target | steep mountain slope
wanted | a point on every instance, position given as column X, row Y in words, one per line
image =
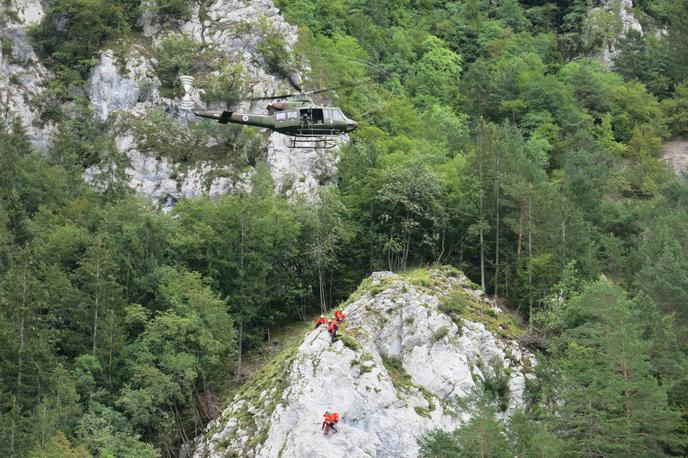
column 410, row 348
column 231, row 34
column 167, row 153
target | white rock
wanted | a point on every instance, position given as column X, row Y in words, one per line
column 628, row 22
column 234, row 28
column 22, row 77
column 377, row 419
column 109, row 91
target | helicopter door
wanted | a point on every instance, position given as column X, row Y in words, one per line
column 312, row 115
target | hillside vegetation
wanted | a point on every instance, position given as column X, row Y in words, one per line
column 491, row 139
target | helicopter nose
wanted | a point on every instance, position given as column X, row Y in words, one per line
column 351, row 125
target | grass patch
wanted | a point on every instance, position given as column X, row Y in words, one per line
column 370, row 286
column 400, row 378
column 360, row 362
column 418, row 277
column 403, row 383
column 440, row 334
column 350, row 342
column 455, row 305
column 422, row 411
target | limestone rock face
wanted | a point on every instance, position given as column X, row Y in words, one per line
column 22, row 76
column 392, row 322
column 676, row 155
column 626, row 21
column 128, row 84
column 110, row 91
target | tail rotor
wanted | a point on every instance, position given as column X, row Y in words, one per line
column 191, row 97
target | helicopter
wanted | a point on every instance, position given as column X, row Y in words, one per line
column 307, row 123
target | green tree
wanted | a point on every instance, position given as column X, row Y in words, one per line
column 482, row 436
column 612, row 404
column 437, row 72
column 182, row 348
column 72, row 31
column 327, row 233
column 406, row 213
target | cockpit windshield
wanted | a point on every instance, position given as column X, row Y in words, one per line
column 337, row 115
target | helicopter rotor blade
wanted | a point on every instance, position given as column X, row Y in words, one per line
column 272, row 97
column 319, row 91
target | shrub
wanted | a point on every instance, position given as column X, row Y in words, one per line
column 455, row 305
column 227, row 86
column 496, row 386
column 6, row 46
column 73, row 31
column 350, row 342
column 175, row 9
column 441, row 333
column 176, row 56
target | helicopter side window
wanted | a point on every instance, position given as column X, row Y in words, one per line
column 338, row 115
column 281, row 116
column 293, row 115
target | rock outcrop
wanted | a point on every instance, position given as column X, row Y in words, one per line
column 22, row 76
column 598, row 23
column 128, row 84
column 675, row 154
column 410, row 349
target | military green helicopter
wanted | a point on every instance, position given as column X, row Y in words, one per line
column 307, row 123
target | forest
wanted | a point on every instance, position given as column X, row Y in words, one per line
column 491, row 139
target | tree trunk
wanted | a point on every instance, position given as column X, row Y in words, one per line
column 407, row 248
column 241, row 340
column 242, row 276
column 22, row 328
column 496, row 191
column 112, row 345
column 626, row 377
column 96, row 304
column 563, row 229
column 530, row 265
column 321, row 283
column 519, row 243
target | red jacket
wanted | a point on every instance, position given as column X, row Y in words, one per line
column 332, row 326
column 320, row 321
column 334, row 418
column 339, row 315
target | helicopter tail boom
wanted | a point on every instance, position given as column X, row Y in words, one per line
column 223, row 117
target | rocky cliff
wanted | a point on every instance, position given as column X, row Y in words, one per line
column 610, row 22
column 23, row 77
column 411, row 348
column 125, row 91
column 231, row 30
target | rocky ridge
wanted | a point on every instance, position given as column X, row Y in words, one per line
column 404, row 357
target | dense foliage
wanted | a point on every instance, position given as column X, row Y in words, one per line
column 489, row 140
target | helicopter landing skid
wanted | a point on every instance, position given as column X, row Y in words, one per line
column 312, row 143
